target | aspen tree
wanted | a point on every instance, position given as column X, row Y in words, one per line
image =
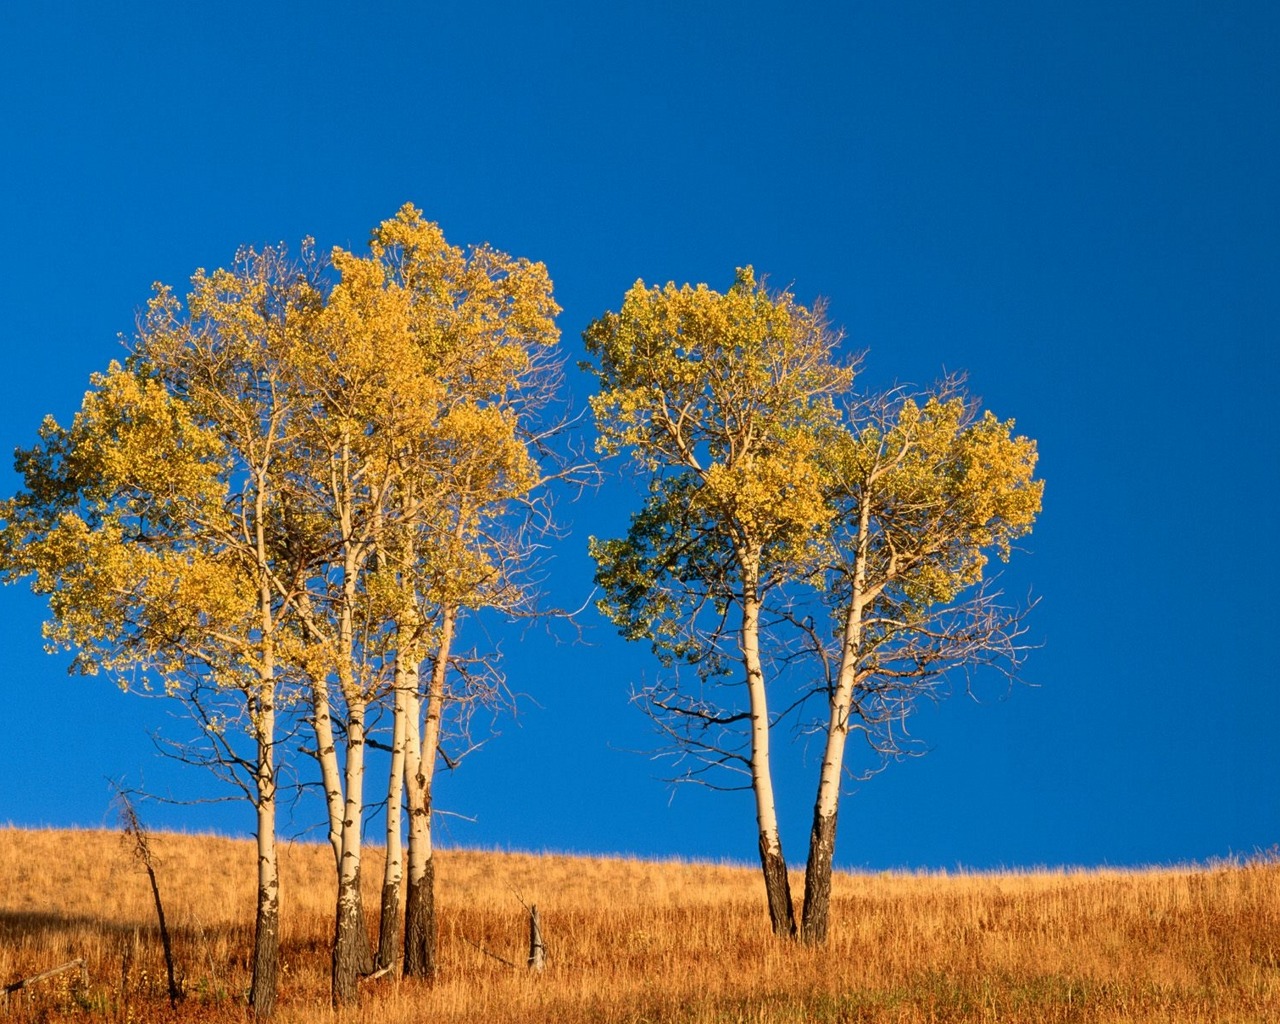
column 475, row 370
column 152, row 525
column 720, row 399
column 922, row 490
column 342, row 370
column 841, row 540
column 310, row 477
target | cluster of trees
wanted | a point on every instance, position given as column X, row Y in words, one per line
column 796, row 528
column 279, row 507
column 283, row 504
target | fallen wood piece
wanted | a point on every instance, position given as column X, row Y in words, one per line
column 381, row 972
column 24, row 982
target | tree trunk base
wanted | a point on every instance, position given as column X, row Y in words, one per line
column 389, row 927
column 266, row 956
column 351, row 953
column 420, row 925
column 815, row 918
column 777, row 887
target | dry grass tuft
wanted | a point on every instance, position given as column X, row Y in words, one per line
column 632, row 942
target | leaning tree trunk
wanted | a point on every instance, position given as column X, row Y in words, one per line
column 815, row 916
column 777, row 884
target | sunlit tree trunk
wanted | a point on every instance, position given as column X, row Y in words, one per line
column 815, row 916
column 389, row 920
column 351, row 953
column 262, row 711
column 420, row 918
column 266, row 932
column 349, row 917
column 777, row 884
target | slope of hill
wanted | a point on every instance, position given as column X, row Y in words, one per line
column 631, row 941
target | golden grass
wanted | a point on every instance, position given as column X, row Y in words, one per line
column 632, row 942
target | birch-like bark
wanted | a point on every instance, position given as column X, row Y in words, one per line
column 389, row 922
column 326, row 754
column 777, row 884
column 420, row 766
column 351, row 953
column 393, row 871
column 816, row 913
column 266, row 929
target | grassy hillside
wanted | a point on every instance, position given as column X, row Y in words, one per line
column 637, row 942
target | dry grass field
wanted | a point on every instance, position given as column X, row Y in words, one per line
column 636, row 942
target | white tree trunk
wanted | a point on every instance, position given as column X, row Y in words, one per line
column 773, row 864
column 350, row 947
column 815, row 915
column 266, row 931
column 393, row 870
column 266, row 935
column 420, row 766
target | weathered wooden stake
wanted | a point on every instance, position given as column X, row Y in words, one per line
column 537, row 950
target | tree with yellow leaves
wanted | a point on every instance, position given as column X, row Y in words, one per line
column 422, row 371
column 792, row 527
column 922, row 489
column 294, row 489
column 463, row 438
column 722, row 399
column 152, row 525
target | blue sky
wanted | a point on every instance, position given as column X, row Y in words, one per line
column 1077, row 203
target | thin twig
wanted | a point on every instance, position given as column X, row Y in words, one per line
column 486, row 952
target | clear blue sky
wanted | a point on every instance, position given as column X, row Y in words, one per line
column 1079, row 203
